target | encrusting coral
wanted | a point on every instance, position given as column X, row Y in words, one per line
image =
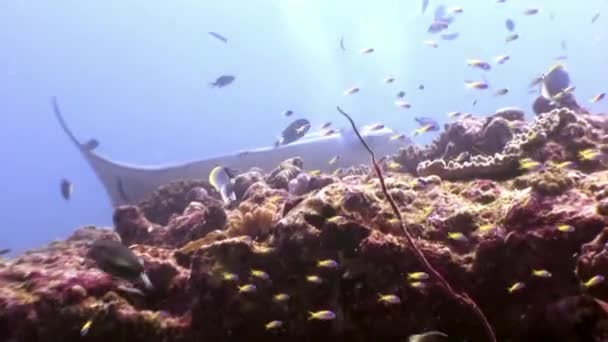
column 527, row 244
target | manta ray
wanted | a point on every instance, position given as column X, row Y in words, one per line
column 129, row 184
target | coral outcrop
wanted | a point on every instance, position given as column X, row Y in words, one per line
column 529, row 246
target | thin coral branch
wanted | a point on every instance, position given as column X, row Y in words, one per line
column 460, row 297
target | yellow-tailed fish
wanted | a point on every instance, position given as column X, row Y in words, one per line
column 589, row 154
column 393, row 165
column 323, row 315
column 260, row 274
column 86, row 327
column 397, row 137
column 417, row 276
column 478, row 63
column 454, row 114
column 280, row 297
column 565, row 165
column 528, row 164
column 418, row 284
column 423, row 129
column 487, row 227
column 314, row 279
column 249, row 288
column 314, row 172
column 516, row 287
column 597, row 97
column 594, row 281
column 476, row 85
column 221, row 179
column 390, row 299
column 457, row 236
column 227, row 276
column 431, row 336
column 262, row 250
column 327, row 263
column 565, row 228
column 334, row 160
column 273, row 325
column 541, row 273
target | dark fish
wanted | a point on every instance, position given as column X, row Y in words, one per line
column 595, row 17
column 401, row 94
column 426, row 121
column 288, row 112
column 512, row 37
column 91, row 144
column 510, row 24
column 218, row 36
column 474, row 103
column 425, row 4
column 223, row 81
column 66, row 189
column 450, row 36
column 421, row 87
column 114, row 258
column 437, row 26
column 294, row 131
column 342, row 43
column 5, row 251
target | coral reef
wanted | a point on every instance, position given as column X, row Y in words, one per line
column 527, row 245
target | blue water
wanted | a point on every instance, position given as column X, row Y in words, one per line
column 134, row 74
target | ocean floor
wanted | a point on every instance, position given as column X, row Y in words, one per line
column 512, row 213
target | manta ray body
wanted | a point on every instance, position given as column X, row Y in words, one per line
column 129, row 184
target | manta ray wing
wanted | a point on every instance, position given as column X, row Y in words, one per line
column 130, row 184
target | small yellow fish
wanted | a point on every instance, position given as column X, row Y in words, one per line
column 457, row 236
column 403, row 104
column 260, row 274
column 314, row 279
column 418, row 284
column 280, row 297
column 390, row 299
column 323, row 315
column 478, row 63
column 417, row 276
column 334, row 160
column 327, row 263
column 589, row 154
column 423, row 129
column 541, row 273
column 502, row 91
column 593, row 281
column 262, row 250
column 512, row 37
column 487, row 227
column 394, row 220
column 430, row 43
column 227, row 276
column 249, row 288
column 314, row 172
column 516, row 287
column 566, row 228
column 565, row 165
column 597, row 97
column 501, row 59
column 528, row 164
column 351, row 91
column 476, row 85
column 273, row 325
column 366, row 51
column 393, row 165
column 397, row 137
column 86, row 327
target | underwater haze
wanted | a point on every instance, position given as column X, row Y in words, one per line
column 135, row 75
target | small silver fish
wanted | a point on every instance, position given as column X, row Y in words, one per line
column 218, row 36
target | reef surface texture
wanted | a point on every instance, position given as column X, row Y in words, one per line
column 529, row 246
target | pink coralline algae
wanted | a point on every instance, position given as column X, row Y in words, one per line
column 223, row 273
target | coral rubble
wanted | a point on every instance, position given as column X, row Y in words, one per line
column 527, row 245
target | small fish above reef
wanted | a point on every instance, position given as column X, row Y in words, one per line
column 323, row 315
column 476, row 84
column 541, row 273
column 502, row 91
column 450, row 36
column 221, row 178
column 223, row 81
column 272, row 325
column 510, row 25
column 66, row 188
column 594, row 281
column 351, row 91
column 512, row 37
column 389, row 299
column 426, row 121
column 366, row 51
column 218, row 36
column 597, row 97
column 294, row 131
column 429, row 336
column 248, row 288
column 401, row 94
column 5, row 251
column 91, row 144
column 287, row 113
column 531, row 11
column 516, row 287
column 327, row 263
column 478, row 63
column 116, row 259
column 501, row 59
